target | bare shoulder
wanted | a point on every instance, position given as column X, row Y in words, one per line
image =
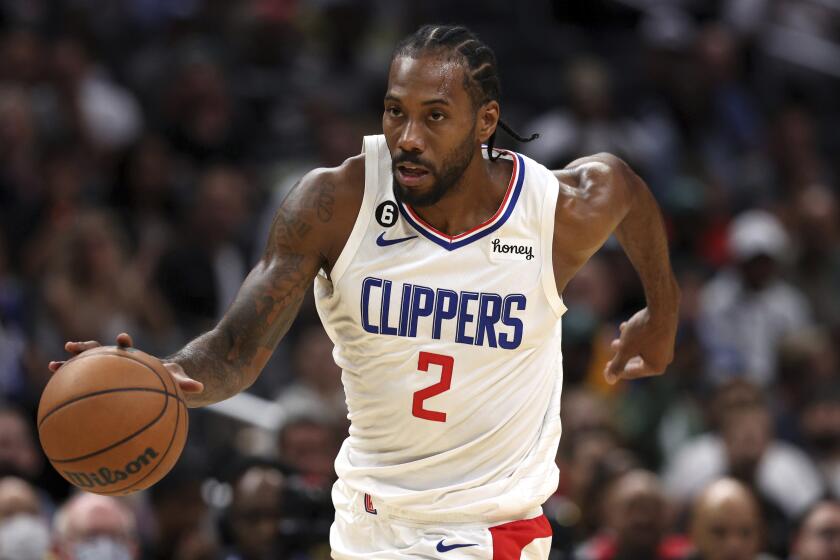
column 602, row 169
column 595, row 194
column 317, row 215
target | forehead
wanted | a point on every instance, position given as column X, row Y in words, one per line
column 732, row 513
column 427, row 77
column 825, row 515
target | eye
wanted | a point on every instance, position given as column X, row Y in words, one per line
column 437, row 116
column 393, row 111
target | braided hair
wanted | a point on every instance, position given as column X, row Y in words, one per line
column 481, row 76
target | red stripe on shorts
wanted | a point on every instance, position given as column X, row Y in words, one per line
column 510, row 538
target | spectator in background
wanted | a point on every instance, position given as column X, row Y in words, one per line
column 746, row 309
column 794, row 147
column 726, row 523
column 816, row 218
column 316, row 389
column 782, row 477
column 88, row 263
column 94, row 527
column 18, row 452
column 729, row 127
column 818, row 537
column 309, row 444
column 24, row 534
column 591, row 122
column 255, row 514
column 200, row 275
column 183, row 530
column 636, row 523
column 148, row 194
column 103, row 113
column 20, row 180
column 13, row 380
column 808, row 363
column 819, row 423
column 590, row 456
column 203, row 119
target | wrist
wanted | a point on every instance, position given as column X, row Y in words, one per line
column 665, row 308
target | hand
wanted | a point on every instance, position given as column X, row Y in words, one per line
column 186, row 383
column 644, row 348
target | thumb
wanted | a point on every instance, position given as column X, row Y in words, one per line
column 615, row 367
column 185, row 382
column 188, row 384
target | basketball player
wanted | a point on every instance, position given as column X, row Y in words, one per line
column 438, row 263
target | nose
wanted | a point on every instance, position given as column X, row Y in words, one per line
column 411, row 138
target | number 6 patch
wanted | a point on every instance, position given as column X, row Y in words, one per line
column 386, row 213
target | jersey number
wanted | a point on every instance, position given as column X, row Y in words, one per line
column 446, row 364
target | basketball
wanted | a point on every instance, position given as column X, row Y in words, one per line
column 112, row 421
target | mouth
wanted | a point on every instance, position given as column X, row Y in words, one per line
column 411, row 174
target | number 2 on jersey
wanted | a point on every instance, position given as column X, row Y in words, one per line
column 446, row 364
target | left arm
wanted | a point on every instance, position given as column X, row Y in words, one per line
column 601, row 195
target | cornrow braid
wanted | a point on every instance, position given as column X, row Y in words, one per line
column 481, row 78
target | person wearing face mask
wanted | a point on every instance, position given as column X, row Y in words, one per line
column 93, row 527
column 24, row 534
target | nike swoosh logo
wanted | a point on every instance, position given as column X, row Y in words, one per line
column 382, row 242
column 447, row 547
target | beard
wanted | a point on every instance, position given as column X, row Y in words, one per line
column 450, row 172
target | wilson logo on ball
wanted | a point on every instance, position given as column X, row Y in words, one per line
column 106, row 476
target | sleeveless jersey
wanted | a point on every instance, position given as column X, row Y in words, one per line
column 450, row 351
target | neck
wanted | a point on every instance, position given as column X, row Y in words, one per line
column 473, row 199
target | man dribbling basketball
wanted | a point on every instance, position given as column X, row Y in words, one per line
column 438, row 273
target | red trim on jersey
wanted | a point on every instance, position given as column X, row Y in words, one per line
column 482, row 225
column 369, row 504
column 510, row 538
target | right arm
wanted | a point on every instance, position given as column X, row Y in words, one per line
column 308, row 232
column 229, row 358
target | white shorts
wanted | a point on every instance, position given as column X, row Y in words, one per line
column 361, row 531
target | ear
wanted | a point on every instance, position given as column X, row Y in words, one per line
column 488, row 118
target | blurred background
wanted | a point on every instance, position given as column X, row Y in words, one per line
column 144, row 145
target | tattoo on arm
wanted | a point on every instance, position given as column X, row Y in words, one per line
column 229, row 358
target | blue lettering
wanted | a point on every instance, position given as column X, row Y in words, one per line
column 405, row 307
column 489, row 313
column 480, row 318
column 446, row 307
column 464, row 318
column 420, row 309
column 367, row 284
column 386, row 306
column 505, row 341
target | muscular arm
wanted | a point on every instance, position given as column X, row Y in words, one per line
column 601, row 195
column 309, row 228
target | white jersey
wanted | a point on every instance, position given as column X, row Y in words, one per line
column 450, row 350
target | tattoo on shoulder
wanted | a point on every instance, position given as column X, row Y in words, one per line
column 326, row 201
column 269, row 298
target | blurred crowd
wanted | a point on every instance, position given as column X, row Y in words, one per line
column 144, row 146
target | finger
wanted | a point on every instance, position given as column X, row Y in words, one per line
column 184, row 381
column 637, row 367
column 79, row 347
column 188, row 384
column 54, row 366
column 610, row 377
column 616, row 365
column 622, row 326
column 124, row 340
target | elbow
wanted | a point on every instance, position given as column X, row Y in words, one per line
column 612, row 161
